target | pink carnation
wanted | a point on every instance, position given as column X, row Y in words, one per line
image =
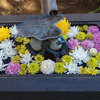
column 72, row 43
column 97, row 46
column 87, row 44
column 96, row 37
column 12, row 68
column 93, row 29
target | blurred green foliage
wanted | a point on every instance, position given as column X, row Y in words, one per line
column 97, row 1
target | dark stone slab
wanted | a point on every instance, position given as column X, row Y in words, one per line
column 70, row 17
column 50, row 83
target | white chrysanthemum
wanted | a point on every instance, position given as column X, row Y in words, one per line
column 47, row 66
column 2, row 65
column 26, row 59
column 6, row 44
column 3, row 55
column 79, row 55
column 72, row 68
column 7, row 49
column 73, row 31
column 10, row 52
column 99, row 65
column 13, row 30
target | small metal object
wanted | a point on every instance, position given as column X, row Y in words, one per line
column 49, row 7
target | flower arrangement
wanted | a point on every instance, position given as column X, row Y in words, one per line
column 82, row 54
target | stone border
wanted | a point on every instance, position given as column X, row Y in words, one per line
column 70, row 17
column 49, row 83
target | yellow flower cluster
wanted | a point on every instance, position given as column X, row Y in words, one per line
column 91, row 66
column 59, row 69
column 89, row 36
column 63, row 25
column 15, row 59
column 98, row 56
column 33, row 68
column 23, row 69
column 21, row 49
column 39, row 58
column 92, row 63
column 66, row 58
column 86, row 70
column 19, row 39
column 24, row 40
column 81, row 36
column 4, row 33
column 85, row 27
column 80, row 28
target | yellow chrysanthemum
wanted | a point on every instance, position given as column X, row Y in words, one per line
column 86, row 70
column 26, row 40
column 92, row 63
column 21, row 49
column 85, row 27
column 66, row 58
column 33, row 68
column 23, row 46
column 93, row 71
column 4, row 33
column 64, row 36
column 83, row 70
column 80, row 28
column 23, row 69
column 15, row 59
column 81, row 36
column 39, row 58
column 19, row 39
column 98, row 56
column 63, row 25
column 17, row 48
column 59, row 69
column 89, row 36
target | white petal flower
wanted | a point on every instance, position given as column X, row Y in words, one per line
column 26, row 59
column 13, row 30
column 79, row 55
column 10, row 52
column 47, row 66
column 7, row 49
column 99, row 65
column 6, row 44
column 3, row 56
column 2, row 65
column 72, row 68
column 66, row 66
column 73, row 31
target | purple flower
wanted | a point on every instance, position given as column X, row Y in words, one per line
column 96, row 37
column 97, row 46
column 93, row 29
column 12, row 68
column 87, row 44
column 19, row 33
column 72, row 43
